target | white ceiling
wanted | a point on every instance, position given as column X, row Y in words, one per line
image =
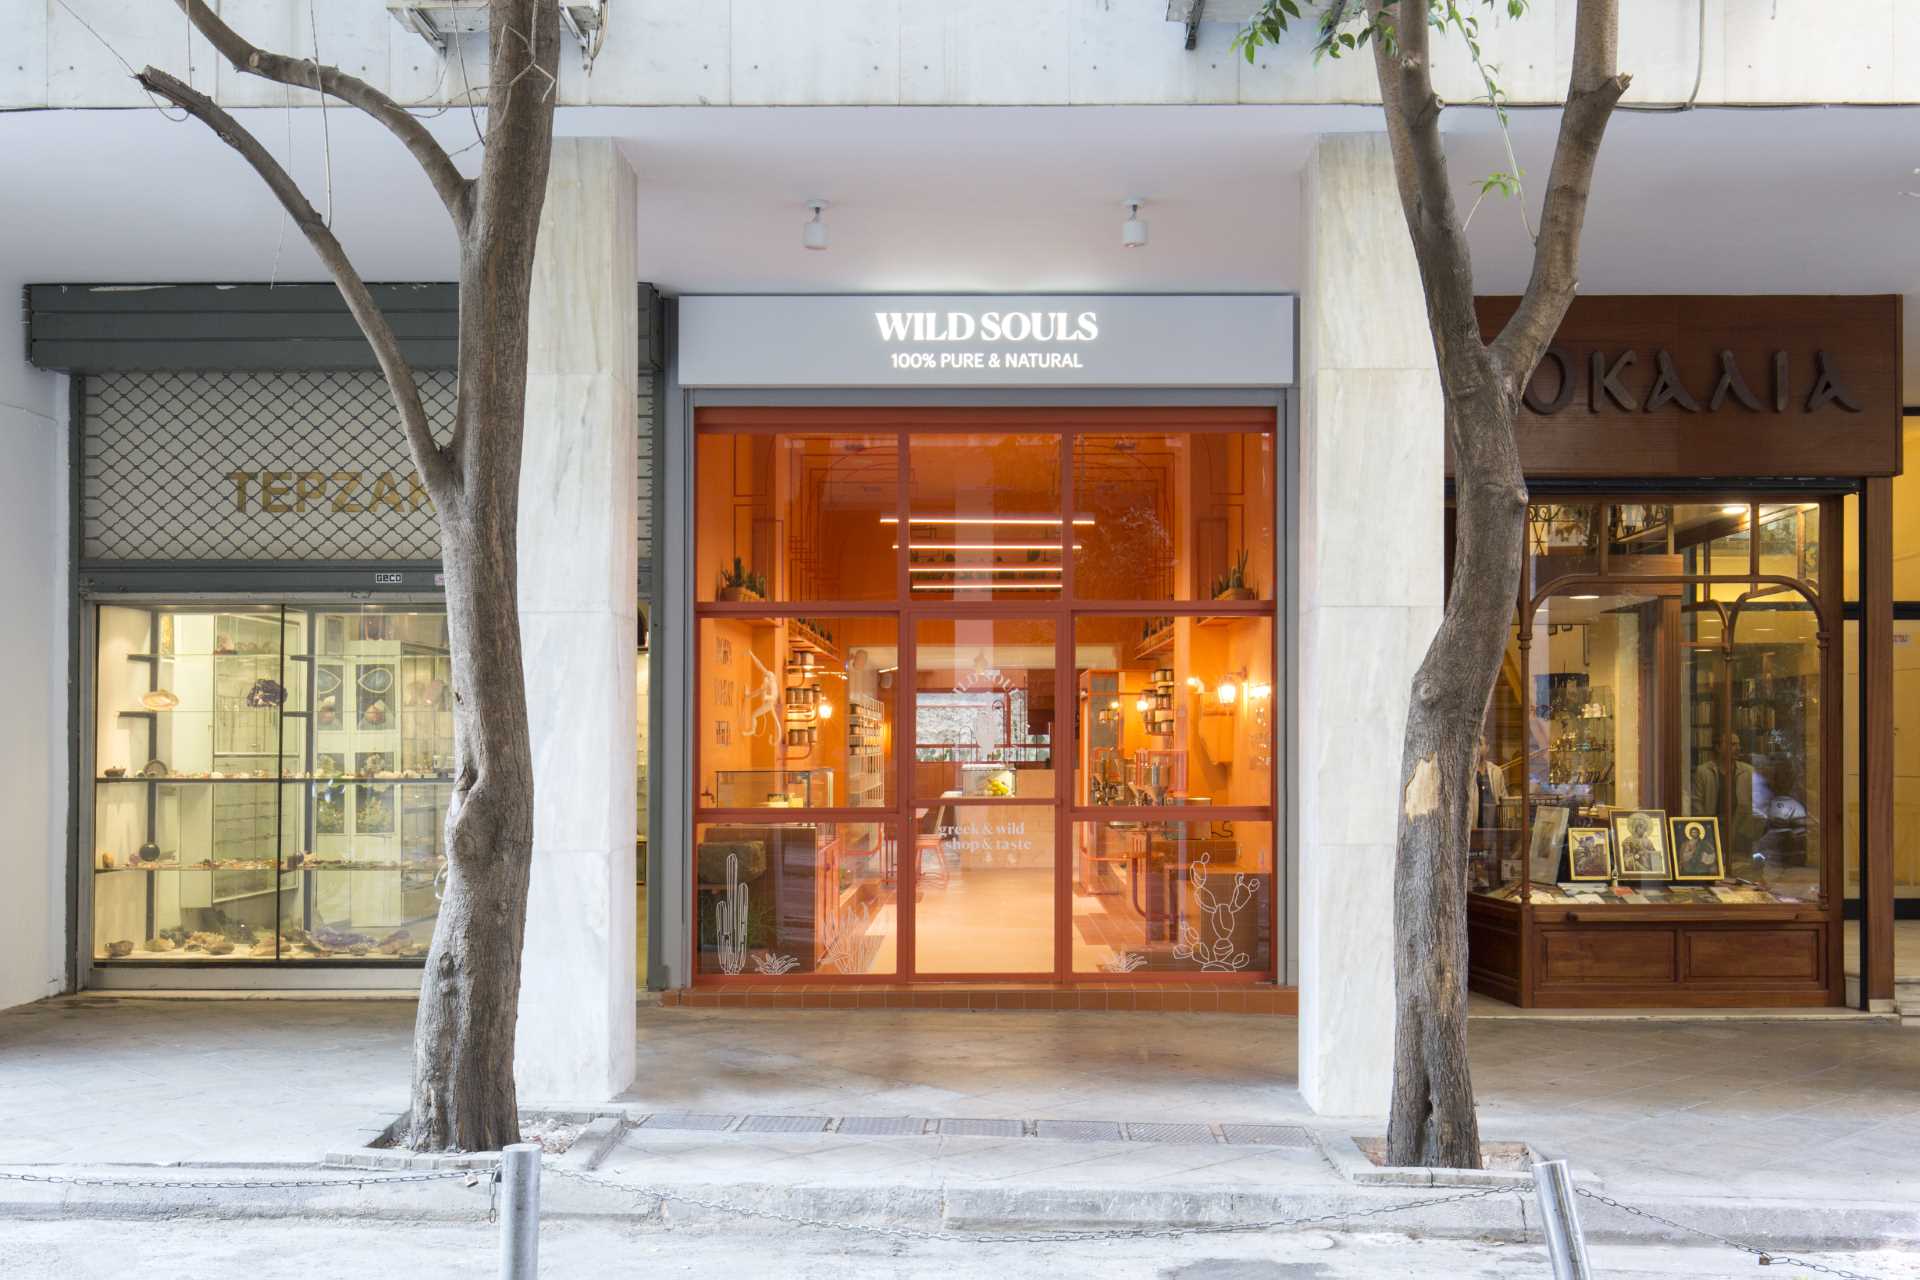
column 986, row 199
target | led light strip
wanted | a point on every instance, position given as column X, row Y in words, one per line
column 985, row 546
column 985, row 568
column 987, row 520
column 986, row 586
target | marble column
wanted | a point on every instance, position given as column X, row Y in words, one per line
column 578, row 607
column 1371, row 527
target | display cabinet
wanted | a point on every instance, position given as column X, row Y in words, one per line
column 270, row 782
column 1659, row 778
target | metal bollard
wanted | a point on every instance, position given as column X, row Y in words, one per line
column 520, row 1211
column 1560, row 1220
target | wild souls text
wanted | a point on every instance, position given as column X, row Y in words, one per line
column 351, row 492
column 988, row 326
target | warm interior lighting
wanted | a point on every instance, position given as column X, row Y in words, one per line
column 826, row 711
column 1227, row 692
column 1734, row 509
column 983, row 568
column 1196, row 684
column 986, row 586
column 1585, row 597
column 1115, row 704
column 987, row 520
column 1140, row 704
column 984, row 546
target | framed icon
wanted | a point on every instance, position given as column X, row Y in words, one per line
column 1548, row 839
column 1640, row 844
column 1696, row 849
column 1589, row 854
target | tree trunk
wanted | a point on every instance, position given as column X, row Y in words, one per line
column 1433, row 1121
column 463, row 1089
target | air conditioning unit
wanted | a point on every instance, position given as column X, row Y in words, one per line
column 438, row 21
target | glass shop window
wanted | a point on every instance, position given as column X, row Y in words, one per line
column 1655, row 737
column 797, row 517
column 271, row 783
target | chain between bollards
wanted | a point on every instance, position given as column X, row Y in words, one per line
column 519, row 1186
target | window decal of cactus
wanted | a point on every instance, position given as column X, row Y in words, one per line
column 730, row 920
column 1219, row 954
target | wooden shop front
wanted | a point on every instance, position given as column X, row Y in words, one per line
column 1663, row 784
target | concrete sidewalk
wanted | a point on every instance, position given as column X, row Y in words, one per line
column 1809, row 1130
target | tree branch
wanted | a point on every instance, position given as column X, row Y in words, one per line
column 427, row 455
column 308, row 73
column 1592, row 90
column 1412, row 110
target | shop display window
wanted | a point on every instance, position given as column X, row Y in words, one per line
column 1174, row 516
column 1656, row 734
column 796, row 898
column 271, row 782
column 988, row 639
column 1174, row 710
column 1182, row 897
column 793, row 517
column 984, row 518
column 797, row 713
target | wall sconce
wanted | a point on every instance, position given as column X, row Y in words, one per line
column 1142, row 704
column 1227, row 692
column 826, row 711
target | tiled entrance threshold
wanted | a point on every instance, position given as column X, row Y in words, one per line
column 1102, row 997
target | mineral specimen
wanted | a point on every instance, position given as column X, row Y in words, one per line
column 120, row 949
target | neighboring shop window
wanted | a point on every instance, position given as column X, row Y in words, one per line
column 1661, row 714
column 272, row 782
column 1906, row 687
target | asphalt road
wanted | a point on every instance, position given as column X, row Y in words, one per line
column 89, row 1249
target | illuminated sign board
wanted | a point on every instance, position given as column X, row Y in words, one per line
column 1038, row 340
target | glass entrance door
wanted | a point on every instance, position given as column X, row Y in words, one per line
column 986, row 704
column 985, row 695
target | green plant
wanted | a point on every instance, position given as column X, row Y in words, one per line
column 1234, row 579
column 741, row 578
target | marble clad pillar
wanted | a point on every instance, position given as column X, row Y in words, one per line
column 1371, row 528
column 578, row 606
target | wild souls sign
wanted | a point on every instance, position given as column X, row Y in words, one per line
column 1683, row 388
column 987, row 327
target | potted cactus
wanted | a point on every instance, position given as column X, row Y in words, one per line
column 1233, row 585
column 740, row 583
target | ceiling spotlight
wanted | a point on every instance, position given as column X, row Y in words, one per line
column 1133, row 232
column 814, row 234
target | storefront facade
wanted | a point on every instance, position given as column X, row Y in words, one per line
column 1037, row 738
column 260, row 654
column 1664, row 784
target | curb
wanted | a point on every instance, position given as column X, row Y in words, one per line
column 1344, row 1153
column 1508, row 1216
